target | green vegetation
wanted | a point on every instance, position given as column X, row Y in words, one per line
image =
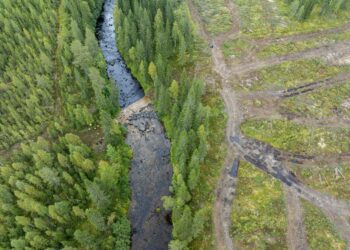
column 56, row 195
column 302, row 9
column 328, row 178
column 215, row 15
column 254, row 17
column 83, row 85
column 323, row 103
column 50, row 73
column 259, row 219
column 242, row 47
column 275, row 18
column 289, row 136
column 286, row 48
column 279, row 49
column 237, row 48
column 203, row 195
column 294, row 73
column 159, row 49
column 321, row 234
column 26, row 68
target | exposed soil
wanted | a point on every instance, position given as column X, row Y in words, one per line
column 302, row 36
column 296, row 236
column 330, row 52
column 305, row 88
column 234, row 32
column 260, row 154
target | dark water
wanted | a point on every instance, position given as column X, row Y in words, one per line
column 150, row 178
column 129, row 89
column 151, row 172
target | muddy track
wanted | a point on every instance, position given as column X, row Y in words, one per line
column 333, row 122
column 296, row 236
column 268, row 12
column 227, row 184
column 225, row 194
column 305, row 88
column 198, row 20
column 336, row 50
column 235, row 30
column 302, row 37
column 262, row 156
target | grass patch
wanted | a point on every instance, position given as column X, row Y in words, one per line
column 322, row 103
column 292, row 74
column 321, row 234
column 215, row 14
column 289, row 136
column 237, row 48
column 259, row 215
column 242, row 46
column 261, row 18
column 280, row 49
column 253, row 17
column 332, row 179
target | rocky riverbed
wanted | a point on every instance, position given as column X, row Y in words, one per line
column 151, row 172
column 150, row 179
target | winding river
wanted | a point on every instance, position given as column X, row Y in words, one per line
column 151, row 172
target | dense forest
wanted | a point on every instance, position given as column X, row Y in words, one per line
column 55, row 195
column 28, row 42
column 156, row 38
column 69, row 91
column 51, row 70
column 56, row 192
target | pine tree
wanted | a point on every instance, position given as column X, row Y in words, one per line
column 183, row 227
column 152, row 70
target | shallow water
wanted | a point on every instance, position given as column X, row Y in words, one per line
column 129, row 89
column 151, row 172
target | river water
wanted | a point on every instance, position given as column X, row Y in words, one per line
column 151, row 172
column 129, row 89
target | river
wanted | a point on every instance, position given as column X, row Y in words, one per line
column 151, row 172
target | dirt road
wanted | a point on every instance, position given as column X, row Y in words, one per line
column 260, row 154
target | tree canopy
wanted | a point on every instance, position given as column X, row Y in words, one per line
column 156, row 38
column 302, row 9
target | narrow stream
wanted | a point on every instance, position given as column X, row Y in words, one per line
column 151, row 172
column 129, row 89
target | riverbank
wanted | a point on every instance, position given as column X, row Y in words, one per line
column 150, row 174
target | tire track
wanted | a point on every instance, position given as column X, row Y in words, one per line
column 296, row 236
column 302, row 37
column 305, row 88
column 234, row 32
column 336, row 50
column 258, row 153
column 262, row 156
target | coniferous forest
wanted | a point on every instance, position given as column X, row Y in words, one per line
column 158, row 50
column 56, row 192
column 302, row 9
column 253, row 103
